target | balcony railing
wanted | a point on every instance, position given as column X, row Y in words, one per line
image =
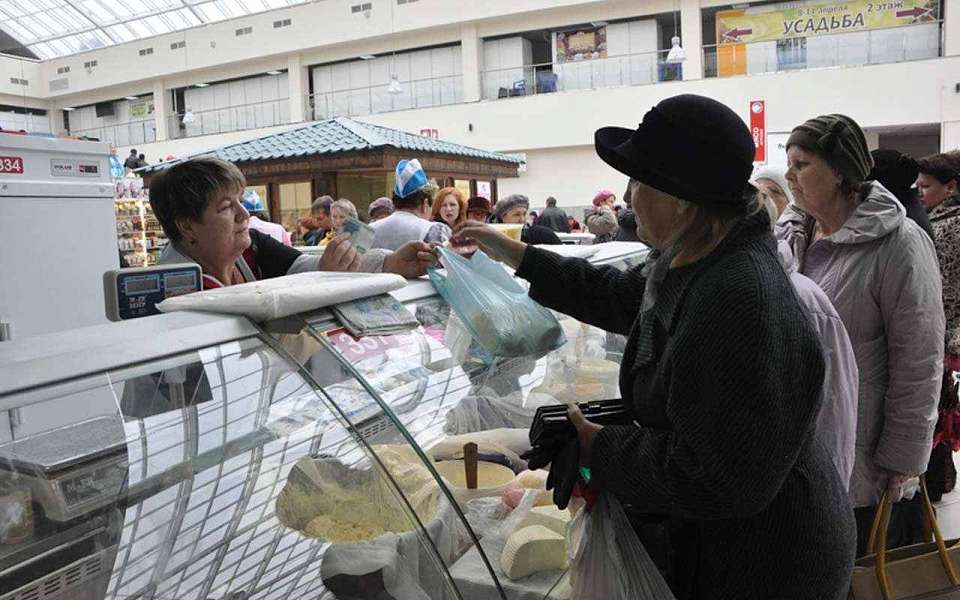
column 190, row 123
column 414, row 93
column 613, row 71
column 129, row 133
column 877, row 46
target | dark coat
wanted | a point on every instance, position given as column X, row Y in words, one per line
column 915, row 210
column 724, row 375
column 535, row 234
column 627, row 232
column 554, row 218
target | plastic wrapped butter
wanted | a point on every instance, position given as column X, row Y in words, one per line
column 551, row 517
column 532, row 550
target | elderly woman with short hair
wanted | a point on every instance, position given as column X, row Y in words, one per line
column 198, row 205
column 513, row 210
column 879, row 270
column 722, row 371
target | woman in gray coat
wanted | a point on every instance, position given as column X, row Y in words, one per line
column 880, row 271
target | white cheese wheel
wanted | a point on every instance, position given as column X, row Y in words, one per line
column 533, row 480
column 489, row 475
column 532, row 550
column 550, row 517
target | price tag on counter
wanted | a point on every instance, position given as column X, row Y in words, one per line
column 357, row 349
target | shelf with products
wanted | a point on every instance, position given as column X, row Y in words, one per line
column 139, row 235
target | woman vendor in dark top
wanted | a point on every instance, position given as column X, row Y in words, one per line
column 198, row 205
column 722, row 371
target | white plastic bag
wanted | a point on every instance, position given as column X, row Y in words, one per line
column 607, row 560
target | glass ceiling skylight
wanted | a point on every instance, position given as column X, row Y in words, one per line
column 53, row 28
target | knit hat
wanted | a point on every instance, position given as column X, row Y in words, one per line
column 251, row 201
column 895, row 171
column 839, row 141
column 777, row 175
column 680, row 132
column 382, row 204
column 478, row 203
column 509, row 203
column 410, row 178
column 601, row 196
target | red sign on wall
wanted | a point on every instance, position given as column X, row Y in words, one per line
column 758, row 128
column 11, row 164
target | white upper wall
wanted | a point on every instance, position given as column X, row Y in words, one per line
column 216, row 45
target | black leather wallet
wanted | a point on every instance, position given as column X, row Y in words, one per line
column 551, row 425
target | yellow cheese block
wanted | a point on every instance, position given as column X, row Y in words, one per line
column 532, row 550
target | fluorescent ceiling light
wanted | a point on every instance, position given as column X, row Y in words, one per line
column 201, row 85
column 274, row 72
column 367, row 56
column 131, row 98
column 69, row 108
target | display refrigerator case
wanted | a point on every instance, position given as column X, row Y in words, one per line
column 199, row 456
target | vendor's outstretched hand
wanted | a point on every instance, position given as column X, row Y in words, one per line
column 492, row 242
column 410, row 260
column 340, row 255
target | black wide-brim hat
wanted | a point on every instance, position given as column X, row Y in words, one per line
column 688, row 146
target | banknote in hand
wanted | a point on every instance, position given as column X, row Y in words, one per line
column 360, row 234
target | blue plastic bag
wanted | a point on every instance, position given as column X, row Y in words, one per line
column 494, row 307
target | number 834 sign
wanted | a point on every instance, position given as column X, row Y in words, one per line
column 11, row 165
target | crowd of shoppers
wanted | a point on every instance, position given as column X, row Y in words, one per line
column 793, row 339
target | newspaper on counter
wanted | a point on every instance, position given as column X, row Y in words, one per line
column 377, row 315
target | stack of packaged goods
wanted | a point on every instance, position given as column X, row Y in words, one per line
column 139, row 236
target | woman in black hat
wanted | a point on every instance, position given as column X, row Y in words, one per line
column 722, row 370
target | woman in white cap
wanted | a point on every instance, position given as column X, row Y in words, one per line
column 772, row 183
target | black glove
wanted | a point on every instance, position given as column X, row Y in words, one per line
column 564, row 460
column 542, row 455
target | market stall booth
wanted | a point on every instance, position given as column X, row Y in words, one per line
column 344, row 158
column 222, row 458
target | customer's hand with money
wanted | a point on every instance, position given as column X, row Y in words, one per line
column 410, row 260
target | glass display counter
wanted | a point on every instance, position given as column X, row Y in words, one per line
column 191, row 456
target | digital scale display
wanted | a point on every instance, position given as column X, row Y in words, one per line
column 144, row 284
column 134, row 293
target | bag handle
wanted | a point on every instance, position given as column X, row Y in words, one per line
column 877, row 543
